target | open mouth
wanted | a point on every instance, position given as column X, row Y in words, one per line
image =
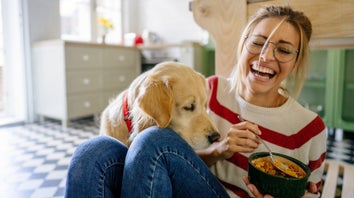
column 262, row 72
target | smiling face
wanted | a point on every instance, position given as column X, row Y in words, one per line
column 263, row 73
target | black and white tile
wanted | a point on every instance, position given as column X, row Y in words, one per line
column 342, row 150
column 35, row 157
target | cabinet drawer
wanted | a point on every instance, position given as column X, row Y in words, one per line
column 119, row 79
column 83, row 57
column 121, row 57
column 83, row 81
column 83, row 105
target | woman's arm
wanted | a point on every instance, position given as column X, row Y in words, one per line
column 211, row 155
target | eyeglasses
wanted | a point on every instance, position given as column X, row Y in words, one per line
column 283, row 52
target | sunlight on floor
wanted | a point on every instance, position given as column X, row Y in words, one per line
column 9, row 120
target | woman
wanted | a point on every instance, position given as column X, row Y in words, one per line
column 254, row 100
column 273, row 48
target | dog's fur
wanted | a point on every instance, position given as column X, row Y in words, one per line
column 169, row 95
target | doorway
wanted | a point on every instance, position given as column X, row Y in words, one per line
column 1, row 65
column 13, row 106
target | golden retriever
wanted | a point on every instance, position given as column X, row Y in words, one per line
column 169, row 95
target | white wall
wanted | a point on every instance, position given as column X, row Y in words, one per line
column 43, row 19
column 170, row 19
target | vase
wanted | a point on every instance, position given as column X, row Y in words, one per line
column 103, row 39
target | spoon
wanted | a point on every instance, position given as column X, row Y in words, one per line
column 277, row 163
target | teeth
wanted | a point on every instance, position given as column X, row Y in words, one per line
column 263, row 69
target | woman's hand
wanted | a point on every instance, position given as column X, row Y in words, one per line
column 312, row 188
column 254, row 189
column 240, row 137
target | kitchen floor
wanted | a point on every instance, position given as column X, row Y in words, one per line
column 35, row 157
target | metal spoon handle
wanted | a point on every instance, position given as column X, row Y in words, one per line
column 263, row 142
column 278, row 164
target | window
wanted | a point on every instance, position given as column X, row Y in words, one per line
column 75, row 20
column 80, row 20
column 111, row 10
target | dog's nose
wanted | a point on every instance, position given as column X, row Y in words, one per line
column 213, row 137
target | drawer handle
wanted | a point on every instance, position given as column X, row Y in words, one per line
column 86, row 81
column 121, row 78
column 85, row 57
column 87, row 104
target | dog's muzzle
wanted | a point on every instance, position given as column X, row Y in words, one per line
column 213, row 137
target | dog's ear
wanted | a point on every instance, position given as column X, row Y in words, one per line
column 156, row 100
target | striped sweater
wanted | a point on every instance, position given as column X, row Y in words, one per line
column 289, row 129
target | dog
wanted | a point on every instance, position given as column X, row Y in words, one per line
column 170, row 95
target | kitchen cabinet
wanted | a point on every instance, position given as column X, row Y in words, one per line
column 208, row 61
column 344, row 114
column 74, row 80
column 329, row 89
column 313, row 95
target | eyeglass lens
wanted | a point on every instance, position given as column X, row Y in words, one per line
column 283, row 52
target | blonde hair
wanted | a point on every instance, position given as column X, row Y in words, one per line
column 296, row 80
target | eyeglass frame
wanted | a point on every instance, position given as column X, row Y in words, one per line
column 275, row 49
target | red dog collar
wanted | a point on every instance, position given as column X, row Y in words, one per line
column 126, row 114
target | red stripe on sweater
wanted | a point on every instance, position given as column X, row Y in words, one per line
column 239, row 160
column 294, row 141
column 319, row 185
column 314, row 164
column 214, row 104
column 238, row 191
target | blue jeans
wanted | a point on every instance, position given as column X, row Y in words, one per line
column 96, row 169
column 159, row 163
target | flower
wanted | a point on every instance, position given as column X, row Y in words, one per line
column 106, row 24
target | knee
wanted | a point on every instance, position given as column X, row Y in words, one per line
column 154, row 137
column 97, row 158
column 98, row 149
column 99, row 145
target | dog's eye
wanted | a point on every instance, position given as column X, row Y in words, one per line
column 189, row 107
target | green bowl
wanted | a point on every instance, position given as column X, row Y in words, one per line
column 277, row 186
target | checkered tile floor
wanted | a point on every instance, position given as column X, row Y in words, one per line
column 35, row 157
column 341, row 150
